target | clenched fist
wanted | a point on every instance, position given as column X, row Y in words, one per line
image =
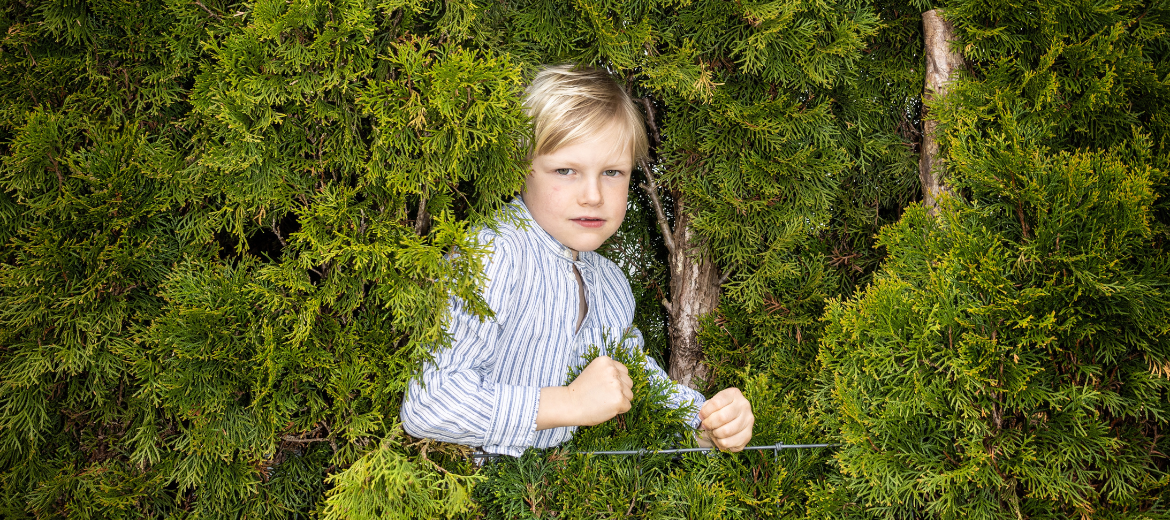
column 603, row 390
column 727, row 421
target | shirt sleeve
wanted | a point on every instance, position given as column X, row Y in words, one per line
column 453, row 400
column 683, row 395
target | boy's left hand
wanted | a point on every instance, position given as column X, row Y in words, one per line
column 727, row 420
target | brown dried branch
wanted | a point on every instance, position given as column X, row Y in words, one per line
column 650, row 121
column 209, row 11
column 651, row 187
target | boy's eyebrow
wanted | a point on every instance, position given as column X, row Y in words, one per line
column 610, row 166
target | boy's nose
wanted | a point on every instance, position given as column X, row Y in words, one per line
column 590, row 194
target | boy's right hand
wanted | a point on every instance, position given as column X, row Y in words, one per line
column 600, row 392
column 603, row 390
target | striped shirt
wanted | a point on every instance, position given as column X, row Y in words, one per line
column 485, row 389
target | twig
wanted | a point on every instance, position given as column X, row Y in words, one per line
column 290, row 438
column 57, row 170
column 651, row 187
column 727, row 275
column 209, row 11
column 276, row 231
column 650, row 121
column 29, row 54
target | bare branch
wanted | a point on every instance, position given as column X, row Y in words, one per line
column 209, row 11
column 29, row 54
column 57, row 170
column 650, row 121
column 726, row 275
column 290, row 438
column 422, row 221
column 651, row 187
column 276, row 231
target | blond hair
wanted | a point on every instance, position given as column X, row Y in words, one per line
column 569, row 103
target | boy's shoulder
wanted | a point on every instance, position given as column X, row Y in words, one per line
column 509, row 234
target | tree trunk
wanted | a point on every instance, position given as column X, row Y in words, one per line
column 694, row 291
column 941, row 65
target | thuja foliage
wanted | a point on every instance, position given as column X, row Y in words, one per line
column 224, row 240
column 228, row 230
column 1009, row 359
column 568, row 482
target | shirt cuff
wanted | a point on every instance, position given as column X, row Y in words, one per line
column 514, row 419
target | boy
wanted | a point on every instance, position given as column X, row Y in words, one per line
column 501, row 385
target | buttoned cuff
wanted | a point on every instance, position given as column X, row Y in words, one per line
column 513, row 422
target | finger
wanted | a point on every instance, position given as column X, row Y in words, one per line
column 739, row 433
column 627, row 382
column 624, row 406
column 718, row 419
column 731, row 428
column 710, row 407
column 622, row 368
column 740, row 440
column 726, row 443
column 628, row 394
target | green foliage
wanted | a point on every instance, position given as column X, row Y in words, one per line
column 1009, row 359
column 218, row 271
column 226, row 230
column 385, row 484
column 568, row 482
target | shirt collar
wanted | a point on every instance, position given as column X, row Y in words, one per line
column 543, row 237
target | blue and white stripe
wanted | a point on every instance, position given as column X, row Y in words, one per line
column 485, row 389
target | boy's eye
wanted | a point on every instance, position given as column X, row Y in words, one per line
column 564, row 171
column 612, row 173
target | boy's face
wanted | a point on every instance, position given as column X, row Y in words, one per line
column 578, row 193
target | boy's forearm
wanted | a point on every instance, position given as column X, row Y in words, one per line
column 555, row 408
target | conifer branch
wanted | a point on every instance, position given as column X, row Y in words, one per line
column 727, row 275
column 276, row 231
column 209, row 11
column 651, row 187
column 650, row 121
column 422, row 221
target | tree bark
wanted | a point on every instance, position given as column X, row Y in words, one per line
column 694, row 286
column 941, row 65
column 694, row 291
column 695, row 280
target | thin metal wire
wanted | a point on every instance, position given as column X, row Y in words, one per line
column 774, row 447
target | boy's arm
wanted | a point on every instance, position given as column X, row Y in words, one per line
column 603, row 390
column 726, row 419
column 451, row 400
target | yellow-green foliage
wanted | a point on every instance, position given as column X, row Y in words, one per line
column 226, row 231
column 1009, row 359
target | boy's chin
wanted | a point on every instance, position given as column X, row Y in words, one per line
column 583, row 246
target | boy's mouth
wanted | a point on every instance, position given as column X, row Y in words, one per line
column 589, row 222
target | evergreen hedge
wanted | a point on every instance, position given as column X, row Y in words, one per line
column 1009, row 359
column 224, row 230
